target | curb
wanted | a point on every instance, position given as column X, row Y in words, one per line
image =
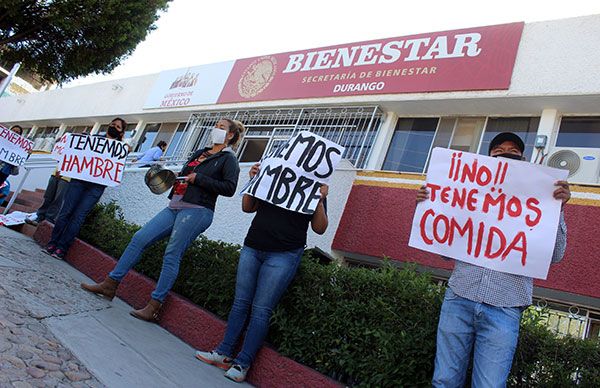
column 192, row 324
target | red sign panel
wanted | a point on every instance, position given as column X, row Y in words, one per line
column 470, row 59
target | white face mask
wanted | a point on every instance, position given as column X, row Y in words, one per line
column 218, row 135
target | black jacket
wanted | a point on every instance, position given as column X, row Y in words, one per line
column 216, row 175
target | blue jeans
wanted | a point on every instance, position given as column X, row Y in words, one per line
column 183, row 226
column 490, row 332
column 262, row 278
column 79, row 199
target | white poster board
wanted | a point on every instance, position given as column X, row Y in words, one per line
column 14, row 148
column 94, row 159
column 496, row 213
column 291, row 175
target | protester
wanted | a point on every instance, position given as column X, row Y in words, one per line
column 53, row 196
column 210, row 172
column 268, row 262
column 8, row 169
column 482, row 307
column 4, row 192
column 79, row 199
column 152, row 155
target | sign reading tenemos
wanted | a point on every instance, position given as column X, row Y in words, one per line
column 91, row 158
column 14, row 148
column 469, row 59
column 491, row 212
column 291, row 175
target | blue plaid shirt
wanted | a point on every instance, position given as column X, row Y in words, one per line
column 501, row 289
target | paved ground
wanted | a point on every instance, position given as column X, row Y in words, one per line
column 53, row 334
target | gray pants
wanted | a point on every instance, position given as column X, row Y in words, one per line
column 53, row 198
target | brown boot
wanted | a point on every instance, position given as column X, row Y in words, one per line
column 148, row 313
column 108, row 288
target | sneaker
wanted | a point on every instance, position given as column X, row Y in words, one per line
column 32, row 219
column 59, row 254
column 214, row 358
column 49, row 250
column 237, row 373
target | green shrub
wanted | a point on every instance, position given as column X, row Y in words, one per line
column 363, row 327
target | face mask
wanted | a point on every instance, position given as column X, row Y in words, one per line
column 508, row 156
column 113, row 132
column 218, row 135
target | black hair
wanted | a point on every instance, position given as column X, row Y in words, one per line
column 17, row 126
column 123, row 125
column 162, row 143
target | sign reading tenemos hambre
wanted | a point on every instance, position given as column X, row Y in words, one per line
column 94, row 159
column 291, row 175
column 14, row 148
column 492, row 212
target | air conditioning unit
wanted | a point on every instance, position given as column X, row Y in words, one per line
column 583, row 164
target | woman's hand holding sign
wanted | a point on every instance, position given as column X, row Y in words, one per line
column 254, row 170
column 563, row 193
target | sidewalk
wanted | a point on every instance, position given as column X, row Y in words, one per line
column 55, row 334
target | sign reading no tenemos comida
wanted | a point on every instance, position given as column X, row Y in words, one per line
column 496, row 213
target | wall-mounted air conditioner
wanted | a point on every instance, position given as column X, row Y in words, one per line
column 583, row 164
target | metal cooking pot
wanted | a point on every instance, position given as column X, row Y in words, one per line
column 159, row 179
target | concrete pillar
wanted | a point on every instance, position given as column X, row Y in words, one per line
column 381, row 144
column 549, row 124
column 139, row 131
column 61, row 130
column 95, row 129
column 32, row 132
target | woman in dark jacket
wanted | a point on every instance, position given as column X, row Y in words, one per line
column 210, row 172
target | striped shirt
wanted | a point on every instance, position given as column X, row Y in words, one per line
column 501, row 289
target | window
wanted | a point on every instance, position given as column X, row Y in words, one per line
column 525, row 127
column 579, row 132
column 147, row 139
column 467, row 133
column 410, row 144
column 172, row 146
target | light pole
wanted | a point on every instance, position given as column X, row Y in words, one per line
column 6, row 81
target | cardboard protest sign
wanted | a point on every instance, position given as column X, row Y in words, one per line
column 14, row 218
column 14, row 148
column 496, row 213
column 291, row 175
column 91, row 158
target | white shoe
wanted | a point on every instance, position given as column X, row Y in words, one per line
column 214, row 358
column 237, row 373
column 32, row 219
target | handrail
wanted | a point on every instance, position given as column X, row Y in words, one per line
column 28, row 166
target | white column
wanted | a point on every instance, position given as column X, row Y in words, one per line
column 95, row 128
column 549, row 123
column 32, row 132
column 381, row 144
column 139, row 131
column 61, row 130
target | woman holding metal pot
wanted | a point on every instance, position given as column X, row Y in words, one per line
column 210, row 172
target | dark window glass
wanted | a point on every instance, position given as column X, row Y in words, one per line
column 524, row 127
column 148, row 137
column 579, row 132
column 410, row 145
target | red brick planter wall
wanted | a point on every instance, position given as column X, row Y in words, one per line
column 195, row 326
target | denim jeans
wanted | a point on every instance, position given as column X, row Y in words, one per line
column 53, row 198
column 262, row 278
column 79, row 199
column 466, row 327
column 183, row 226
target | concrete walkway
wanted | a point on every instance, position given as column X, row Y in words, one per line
column 52, row 333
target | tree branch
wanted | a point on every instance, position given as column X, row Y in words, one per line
column 19, row 35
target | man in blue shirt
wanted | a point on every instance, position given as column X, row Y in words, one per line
column 152, row 155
